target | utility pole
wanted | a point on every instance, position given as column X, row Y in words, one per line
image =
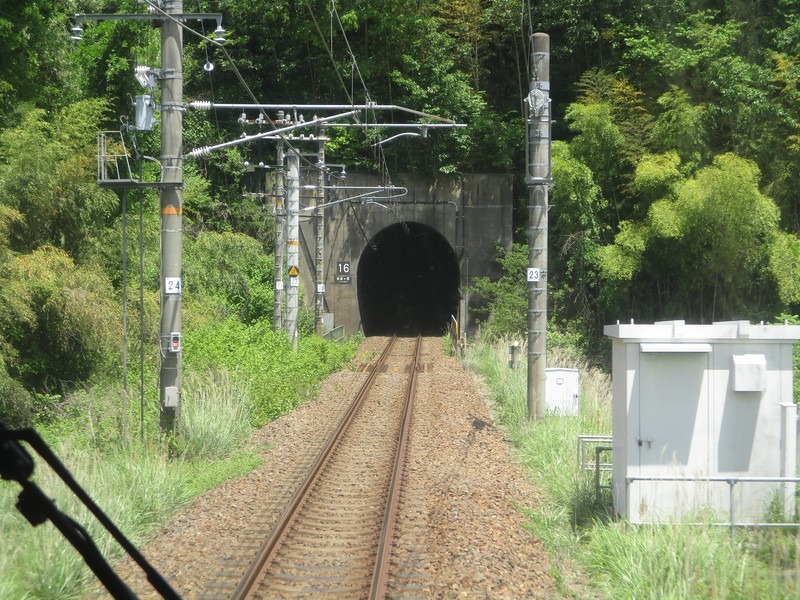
column 170, row 376
column 280, row 235
column 293, row 245
column 538, row 179
column 170, row 186
column 319, row 222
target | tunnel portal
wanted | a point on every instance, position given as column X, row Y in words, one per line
column 408, row 279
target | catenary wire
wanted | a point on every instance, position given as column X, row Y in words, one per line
column 233, row 66
column 231, row 62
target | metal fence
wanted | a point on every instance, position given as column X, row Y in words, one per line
column 731, row 481
column 336, row 334
column 596, row 445
column 592, row 448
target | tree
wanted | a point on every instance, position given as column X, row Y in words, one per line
column 233, row 269
column 462, row 20
column 702, row 252
column 48, row 177
column 36, row 68
column 599, row 144
column 783, row 176
column 681, row 128
column 578, row 225
column 506, row 299
column 59, row 320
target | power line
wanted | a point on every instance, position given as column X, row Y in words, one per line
column 232, row 63
column 381, row 154
column 383, row 167
column 213, row 42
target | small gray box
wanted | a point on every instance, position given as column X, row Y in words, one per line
column 144, row 112
column 171, row 397
column 562, row 391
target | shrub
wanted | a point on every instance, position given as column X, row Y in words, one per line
column 233, row 269
column 61, row 319
column 15, row 402
column 278, row 378
column 506, row 298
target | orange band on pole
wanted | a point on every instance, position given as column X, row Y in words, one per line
column 170, row 210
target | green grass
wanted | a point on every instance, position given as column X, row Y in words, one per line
column 235, row 378
column 138, row 485
column 683, row 561
column 136, row 488
column 213, row 408
column 595, row 556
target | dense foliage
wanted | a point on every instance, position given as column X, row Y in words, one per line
column 675, row 165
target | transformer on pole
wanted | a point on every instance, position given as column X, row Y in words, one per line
column 538, row 178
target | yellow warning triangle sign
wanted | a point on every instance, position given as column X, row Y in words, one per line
column 294, row 271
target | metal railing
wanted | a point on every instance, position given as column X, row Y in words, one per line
column 731, row 481
column 584, row 443
column 598, row 445
column 113, row 164
column 336, row 334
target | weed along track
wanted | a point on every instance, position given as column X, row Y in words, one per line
column 335, row 536
column 311, row 521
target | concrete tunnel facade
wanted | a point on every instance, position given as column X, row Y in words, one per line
column 403, row 264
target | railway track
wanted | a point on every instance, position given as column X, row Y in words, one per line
column 334, row 538
column 458, row 533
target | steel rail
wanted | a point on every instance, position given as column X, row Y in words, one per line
column 380, row 579
column 266, row 553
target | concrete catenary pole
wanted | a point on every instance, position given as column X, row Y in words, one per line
column 538, row 179
column 293, row 244
column 170, row 376
column 280, row 236
column 319, row 217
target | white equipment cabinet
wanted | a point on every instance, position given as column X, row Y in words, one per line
column 702, row 402
column 562, row 389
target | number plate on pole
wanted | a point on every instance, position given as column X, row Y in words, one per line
column 172, row 285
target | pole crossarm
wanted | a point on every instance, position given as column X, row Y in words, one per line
column 80, row 17
column 275, row 133
column 205, row 105
column 157, row 15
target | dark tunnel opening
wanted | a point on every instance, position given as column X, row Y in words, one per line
column 408, row 280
